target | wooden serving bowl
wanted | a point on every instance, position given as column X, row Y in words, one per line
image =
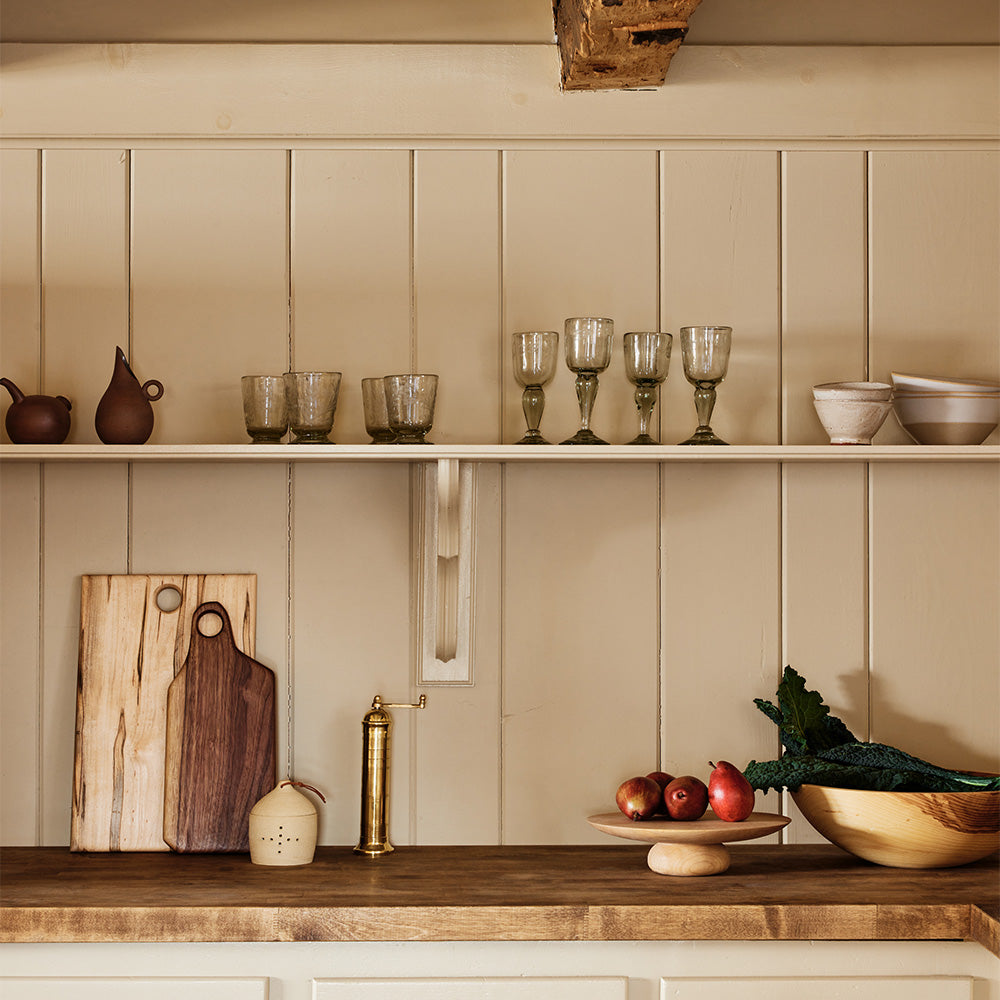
column 905, row 829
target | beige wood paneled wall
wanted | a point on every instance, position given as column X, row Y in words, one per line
column 626, row 616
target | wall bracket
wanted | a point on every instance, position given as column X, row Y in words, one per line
column 444, row 508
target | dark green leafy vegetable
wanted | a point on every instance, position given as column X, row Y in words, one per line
column 821, row 750
column 803, row 720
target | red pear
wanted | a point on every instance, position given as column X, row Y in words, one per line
column 730, row 794
column 686, row 798
column 638, row 798
column 662, row 779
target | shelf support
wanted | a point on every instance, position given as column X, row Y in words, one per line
column 445, row 507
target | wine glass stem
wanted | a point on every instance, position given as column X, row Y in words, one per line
column 645, row 400
column 533, row 402
column 586, row 393
column 704, row 403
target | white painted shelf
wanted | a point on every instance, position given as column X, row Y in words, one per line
column 494, row 453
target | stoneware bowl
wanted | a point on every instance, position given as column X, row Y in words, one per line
column 851, row 421
column 950, row 418
column 905, row 829
column 865, row 391
column 942, row 383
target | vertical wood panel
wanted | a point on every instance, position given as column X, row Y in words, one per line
column 824, row 302
column 458, row 740
column 580, row 644
column 85, row 270
column 351, row 271
column 719, row 212
column 85, row 530
column 198, row 519
column 580, row 240
column 824, row 596
column 19, row 269
column 20, row 498
column 209, row 283
column 935, row 256
column 351, row 607
column 721, row 605
column 20, row 517
column 457, row 295
column 935, row 642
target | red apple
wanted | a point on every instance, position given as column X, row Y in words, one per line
column 729, row 793
column 686, row 798
column 662, row 779
column 638, row 798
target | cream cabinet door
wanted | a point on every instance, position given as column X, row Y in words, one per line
column 481, row 988
column 833, row 988
column 133, row 988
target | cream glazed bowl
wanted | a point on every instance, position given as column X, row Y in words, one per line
column 857, row 391
column 852, row 412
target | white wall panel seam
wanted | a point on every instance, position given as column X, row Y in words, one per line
column 39, row 670
column 289, row 483
column 780, row 161
column 502, row 338
column 867, row 484
column 414, row 328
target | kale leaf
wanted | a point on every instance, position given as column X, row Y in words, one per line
column 821, row 750
column 803, row 720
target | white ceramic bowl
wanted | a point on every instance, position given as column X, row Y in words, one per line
column 866, row 391
column 949, row 418
column 942, row 383
column 851, row 421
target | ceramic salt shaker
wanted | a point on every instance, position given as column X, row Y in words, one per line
column 283, row 826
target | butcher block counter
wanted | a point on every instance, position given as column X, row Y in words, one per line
column 537, row 893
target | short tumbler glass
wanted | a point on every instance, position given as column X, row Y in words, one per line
column 265, row 409
column 312, row 403
column 409, row 401
column 376, row 414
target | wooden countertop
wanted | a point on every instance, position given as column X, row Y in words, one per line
column 557, row 893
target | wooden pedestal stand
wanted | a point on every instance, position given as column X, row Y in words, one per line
column 688, row 848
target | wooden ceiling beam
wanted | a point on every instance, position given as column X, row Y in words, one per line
column 619, row 44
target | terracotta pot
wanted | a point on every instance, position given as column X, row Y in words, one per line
column 36, row 419
column 124, row 415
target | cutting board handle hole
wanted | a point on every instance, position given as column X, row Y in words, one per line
column 168, row 598
column 209, row 624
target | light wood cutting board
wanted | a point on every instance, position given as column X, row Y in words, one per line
column 130, row 651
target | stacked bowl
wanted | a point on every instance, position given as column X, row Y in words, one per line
column 943, row 410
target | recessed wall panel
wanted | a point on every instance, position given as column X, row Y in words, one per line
column 351, row 284
column 580, row 236
column 720, row 266
column 209, row 283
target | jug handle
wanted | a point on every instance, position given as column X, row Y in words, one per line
column 148, row 387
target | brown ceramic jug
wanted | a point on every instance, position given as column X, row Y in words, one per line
column 36, row 419
column 124, row 415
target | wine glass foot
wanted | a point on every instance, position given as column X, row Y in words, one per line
column 533, row 437
column 584, row 436
column 704, row 435
column 643, row 439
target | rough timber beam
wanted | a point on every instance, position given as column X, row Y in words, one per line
column 619, row 44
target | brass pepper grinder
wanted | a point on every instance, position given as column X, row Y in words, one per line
column 377, row 728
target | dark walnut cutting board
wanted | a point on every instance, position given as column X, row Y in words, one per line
column 130, row 651
column 221, row 730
